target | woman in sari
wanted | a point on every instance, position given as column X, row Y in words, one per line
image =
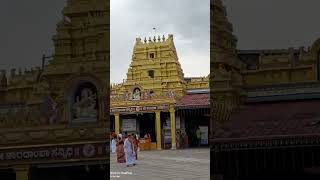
column 136, row 145
column 121, row 158
column 147, row 140
column 113, row 144
column 129, row 151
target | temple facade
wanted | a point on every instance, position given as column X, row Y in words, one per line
column 155, row 93
column 264, row 108
column 54, row 115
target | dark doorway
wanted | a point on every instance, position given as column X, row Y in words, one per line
column 147, row 125
column 7, row 174
column 194, row 118
column 96, row 172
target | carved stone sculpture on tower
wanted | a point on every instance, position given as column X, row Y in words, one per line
column 84, row 107
column 136, row 95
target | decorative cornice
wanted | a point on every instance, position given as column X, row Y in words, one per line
column 227, row 144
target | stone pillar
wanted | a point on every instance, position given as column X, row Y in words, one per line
column 173, row 127
column 158, row 129
column 117, row 123
column 22, row 172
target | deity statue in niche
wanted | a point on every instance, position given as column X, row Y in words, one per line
column 136, row 94
column 85, row 105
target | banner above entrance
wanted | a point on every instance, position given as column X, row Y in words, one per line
column 54, row 153
column 139, row 109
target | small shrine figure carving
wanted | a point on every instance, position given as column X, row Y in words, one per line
column 172, row 94
column 146, row 95
column 136, row 94
column 126, row 96
column 84, row 107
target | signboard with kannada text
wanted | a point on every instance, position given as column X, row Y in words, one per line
column 139, row 109
column 56, row 153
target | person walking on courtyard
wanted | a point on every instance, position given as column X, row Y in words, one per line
column 136, row 145
column 113, row 145
column 198, row 132
column 129, row 151
column 120, row 150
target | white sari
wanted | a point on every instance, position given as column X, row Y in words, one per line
column 130, row 154
column 113, row 145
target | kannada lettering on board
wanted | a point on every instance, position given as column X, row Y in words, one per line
column 139, row 108
column 62, row 152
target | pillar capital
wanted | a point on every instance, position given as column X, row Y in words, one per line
column 171, row 109
column 157, row 111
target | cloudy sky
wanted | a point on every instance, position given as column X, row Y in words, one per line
column 26, row 31
column 28, row 26
column 187, row 20
column 262, row 24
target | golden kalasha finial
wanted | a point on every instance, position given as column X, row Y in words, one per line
column 149, row 39
column 154, row 39
column 145, row 39
column 163, row 38
column 159, row 38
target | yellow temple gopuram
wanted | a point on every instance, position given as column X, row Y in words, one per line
column 55, row 116
column 156, row 98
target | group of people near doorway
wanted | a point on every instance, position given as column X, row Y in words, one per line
column 126, row 147
column 182, row 140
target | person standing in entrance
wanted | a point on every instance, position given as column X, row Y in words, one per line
column 198, row 132
column 136, row 144
column 147, row 139
column 129, row 151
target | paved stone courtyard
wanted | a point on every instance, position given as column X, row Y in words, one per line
column 187, row 164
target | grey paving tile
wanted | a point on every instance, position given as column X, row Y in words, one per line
column 166, row 164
